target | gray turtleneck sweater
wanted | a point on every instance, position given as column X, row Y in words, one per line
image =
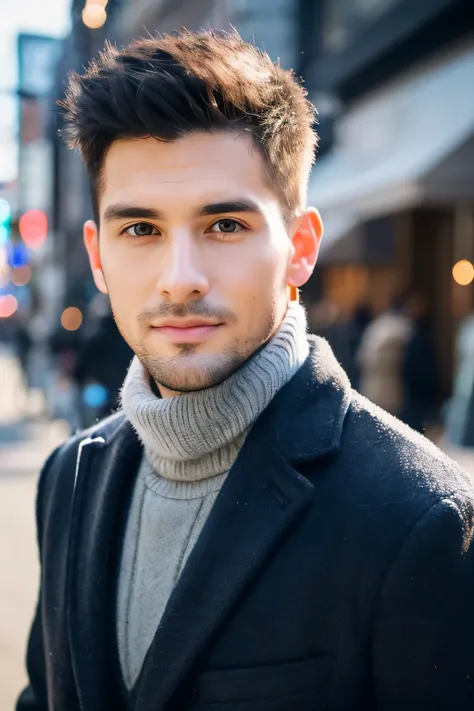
column 190, row 443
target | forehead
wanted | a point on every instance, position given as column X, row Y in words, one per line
column 190, row 170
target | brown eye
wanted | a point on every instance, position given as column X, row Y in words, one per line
column 141, row 229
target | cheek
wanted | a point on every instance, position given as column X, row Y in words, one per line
column 259, row 267
column 126, row 278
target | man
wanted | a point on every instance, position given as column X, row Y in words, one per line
column 248, row 533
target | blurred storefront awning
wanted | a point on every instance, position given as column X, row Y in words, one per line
column 408, row 144
column 338, row 226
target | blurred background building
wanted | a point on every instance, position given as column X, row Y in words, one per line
column 393, row 84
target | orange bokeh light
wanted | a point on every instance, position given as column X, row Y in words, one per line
column 463, row 272
column 71, row 318
column 20, row 276
column 94, row 16
column 8, row 305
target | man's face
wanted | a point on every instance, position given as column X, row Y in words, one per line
column 194, row 254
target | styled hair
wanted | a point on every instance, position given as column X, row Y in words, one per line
column 173, row 85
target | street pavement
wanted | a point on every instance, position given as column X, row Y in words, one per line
column 24, row 445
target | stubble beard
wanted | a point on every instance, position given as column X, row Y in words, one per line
column 189, row 370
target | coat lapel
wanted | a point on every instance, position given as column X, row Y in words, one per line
column 104, row 476
column 263, row 496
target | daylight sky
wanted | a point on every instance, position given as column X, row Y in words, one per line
column 48, row 17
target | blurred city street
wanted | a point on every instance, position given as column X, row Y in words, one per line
column 23, row 448
column 393, row 180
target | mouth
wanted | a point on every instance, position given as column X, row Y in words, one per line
column 187, row 332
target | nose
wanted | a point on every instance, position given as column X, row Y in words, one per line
column 182, row 278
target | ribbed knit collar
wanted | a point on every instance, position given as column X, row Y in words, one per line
column 197, row 435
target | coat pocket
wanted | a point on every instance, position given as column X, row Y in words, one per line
column 288, row 685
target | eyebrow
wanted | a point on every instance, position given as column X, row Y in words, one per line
column 125, row 212
column 121, row 211
column 217, row 208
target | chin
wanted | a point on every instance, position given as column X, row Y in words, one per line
column 189, row 381
column 189, row 373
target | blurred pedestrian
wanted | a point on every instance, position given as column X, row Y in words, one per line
column 23, row 344
column 102, row 361
column 460, row 409
column 419, row 371
column 381, row 358
column 249, row 533
column 355, row 330
column 326, row 320
column 62, row 395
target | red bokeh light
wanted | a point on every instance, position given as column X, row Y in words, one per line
column 8, row 305
column 33, row 226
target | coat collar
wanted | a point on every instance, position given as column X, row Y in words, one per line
column 303, row 421
column 307, row 415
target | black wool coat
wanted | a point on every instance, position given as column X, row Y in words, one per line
column 336, row 570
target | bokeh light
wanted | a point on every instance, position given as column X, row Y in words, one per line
column 4, row 277
column 8, row 305
column 4, row 234
column 18, row 255
column 3, row 258
column 5, row 220
column 71, row 318
column 4, row 268
column 5, row 210
column 463, row 272
column 21, row 276
column 33, row 227
column 95, row 395
column 94, row 16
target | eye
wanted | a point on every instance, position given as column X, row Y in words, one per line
column 141, row 229
column 226, row 226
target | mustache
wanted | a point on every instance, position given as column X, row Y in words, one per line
column 194, row 309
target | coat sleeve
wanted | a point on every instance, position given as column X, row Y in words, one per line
column 35, row 696
column 423, row 647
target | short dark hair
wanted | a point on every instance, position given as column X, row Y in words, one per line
column 173, row 85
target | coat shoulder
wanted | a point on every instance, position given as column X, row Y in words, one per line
column 395, row 462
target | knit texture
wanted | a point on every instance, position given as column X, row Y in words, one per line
column 161, row 532
column 191, row 441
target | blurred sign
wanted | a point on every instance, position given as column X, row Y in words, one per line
column 33, row 121
column 35, row 182
column 37, row 60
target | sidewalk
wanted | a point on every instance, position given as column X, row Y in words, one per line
column 23, row 448
column 20, row 462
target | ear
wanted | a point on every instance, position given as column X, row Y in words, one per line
column 307, row 231
column 91, row 240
